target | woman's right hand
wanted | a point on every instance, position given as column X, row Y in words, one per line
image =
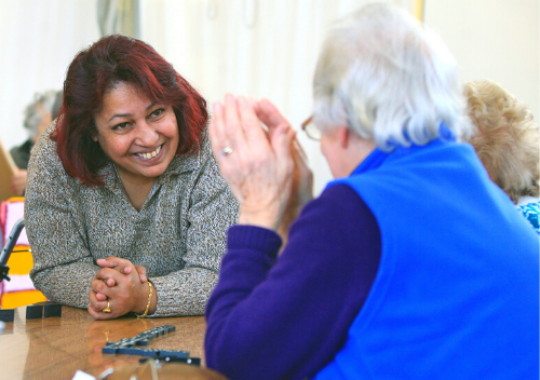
column 258, row 165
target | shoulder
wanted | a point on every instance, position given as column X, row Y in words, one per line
column 44, row 151
column 198, row 177
column 338, row 213
column 204, row 167
column 45, row 169
column 197, row 162
column 339, row 199
column 209, row 164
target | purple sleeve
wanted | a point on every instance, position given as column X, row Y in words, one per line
column 287, row 318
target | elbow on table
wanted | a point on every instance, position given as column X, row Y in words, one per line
column 38, row 277
column 231, row 357
column 217, row 354
column 42, row 281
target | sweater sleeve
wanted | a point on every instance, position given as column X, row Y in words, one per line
column 63, row 265
column 280, row 318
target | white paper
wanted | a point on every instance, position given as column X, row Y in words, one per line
column 80, row 375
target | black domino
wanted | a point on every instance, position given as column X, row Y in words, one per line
column 34, row 311
column 129, row 346
column 7, row 315
column 52, row 309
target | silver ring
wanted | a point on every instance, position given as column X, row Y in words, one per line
column 227, row 151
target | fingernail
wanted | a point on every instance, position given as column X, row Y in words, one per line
column 217, row 106
column 242, row 100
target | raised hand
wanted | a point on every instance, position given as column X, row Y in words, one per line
column 302, row 186
column 257, row 164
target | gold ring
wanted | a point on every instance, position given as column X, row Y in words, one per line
column 228, row 150
column 108, row 308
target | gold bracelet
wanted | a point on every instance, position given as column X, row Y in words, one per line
column 150, row 286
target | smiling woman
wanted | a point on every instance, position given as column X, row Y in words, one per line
column 125, row 207
column 139, row 135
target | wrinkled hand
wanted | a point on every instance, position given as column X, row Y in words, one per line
column 122, row 284
column 302, row 185
column 18, row 181
column 260, row 168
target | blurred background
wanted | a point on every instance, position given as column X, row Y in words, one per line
column 262, row 48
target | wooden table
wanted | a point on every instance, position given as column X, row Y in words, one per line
column 55, row 348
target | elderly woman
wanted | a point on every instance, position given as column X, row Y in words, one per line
column 400, row 269
column 37, row 116
column 507, row 141
column 125, row 208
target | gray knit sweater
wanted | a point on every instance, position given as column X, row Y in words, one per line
column 179, row 234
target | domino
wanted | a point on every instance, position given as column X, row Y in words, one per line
column 34, row 311
column 52, row 309
column 7, row 315
column 129, row 346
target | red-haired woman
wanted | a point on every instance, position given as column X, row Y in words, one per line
column 125, row 207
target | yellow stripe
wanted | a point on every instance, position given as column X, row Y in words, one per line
column 20, row 262
column 419, row 10
column 15, row 199
column 22, row 298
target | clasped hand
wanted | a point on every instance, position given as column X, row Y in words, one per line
column 264, row 167
column 121, row 284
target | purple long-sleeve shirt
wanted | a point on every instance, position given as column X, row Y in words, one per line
column 287, row 318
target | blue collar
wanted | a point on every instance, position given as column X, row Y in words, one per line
column 376, row 158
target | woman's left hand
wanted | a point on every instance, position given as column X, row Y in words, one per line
column 257, row 164
column 121, row 290
column 302, row 181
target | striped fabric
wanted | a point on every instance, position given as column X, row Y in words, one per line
column 20, row 290
column 531, row 211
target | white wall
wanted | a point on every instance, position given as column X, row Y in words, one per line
column 497, row 39
column 493, row 39
column 38, row 40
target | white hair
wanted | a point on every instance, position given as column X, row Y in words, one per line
column 388, row 79
column 33, row 115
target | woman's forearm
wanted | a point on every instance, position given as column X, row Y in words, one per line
column 184, row 292
column 67, row 284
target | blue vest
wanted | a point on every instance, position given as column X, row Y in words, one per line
column 457, row 291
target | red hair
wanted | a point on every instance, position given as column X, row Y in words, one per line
column 99, row 69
